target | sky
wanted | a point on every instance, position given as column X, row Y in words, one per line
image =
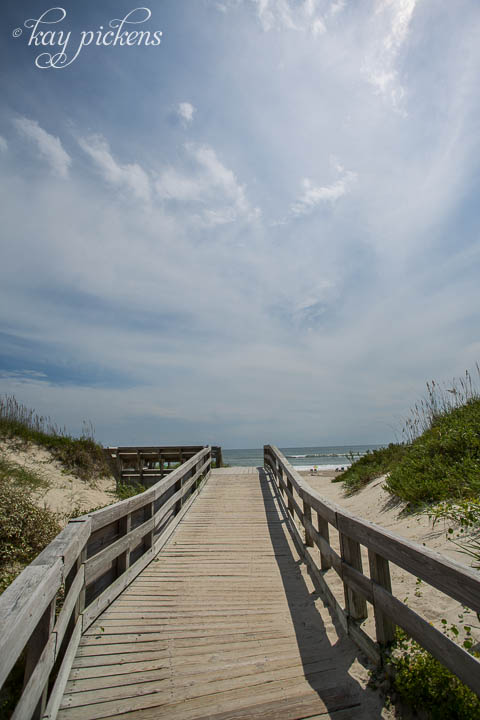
column 261, row 226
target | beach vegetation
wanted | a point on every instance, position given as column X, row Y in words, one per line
column 125, row 491
column 439, row 456
column 82, row 456
column 444, row 462
column 370, row 466
column 425, row 684
column 25, row 529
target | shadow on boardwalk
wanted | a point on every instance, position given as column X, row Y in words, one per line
column 338, row 690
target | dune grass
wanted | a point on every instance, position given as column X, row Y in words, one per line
column 81, row 456
column 444, row 462
column 439, row 458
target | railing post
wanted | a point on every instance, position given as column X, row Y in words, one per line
column 290, row 503
column 323, row 530
column 280, row 478
column 149, row 537
column 178, row 504
column 80, row 603
column 380, row 574
column 307, row 514
column 123, row 560
column 35, row 647
column 356, row 605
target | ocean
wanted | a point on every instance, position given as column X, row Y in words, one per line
column 302, row 458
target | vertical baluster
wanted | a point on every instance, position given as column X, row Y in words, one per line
column 356, row 605
column 123, row 560
column 323, row 530
column 307, row 514
column 290, row 503
column 149, row 510
column 380, row 574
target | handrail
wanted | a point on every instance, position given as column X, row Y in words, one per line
column 93, row 559
column 450, row 577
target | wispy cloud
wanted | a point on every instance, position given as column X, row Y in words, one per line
column 185, row 112
column 210, row 189
column 304, row 16
column 131, row 177
column 3, row 144
column 390, row 23
column 314, row 195
column 47, row 145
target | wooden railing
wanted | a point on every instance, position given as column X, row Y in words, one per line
column 90, row 562
column 146, row 465
column 448, row 576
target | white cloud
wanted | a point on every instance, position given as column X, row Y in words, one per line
column 337, row 7
column 185, row 112
column 132, row 177
column 3, row 144
column 314, row 195
column 303, row 16
column 211, row 189
column 390, row 26
column 49, row 146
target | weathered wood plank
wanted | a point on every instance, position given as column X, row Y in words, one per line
column 56, row 695
column 224, row 617
column 112, row 513
column 107, row 597
column 36, row 685
column 21, row 607
column 68, row 607
column 380, row 574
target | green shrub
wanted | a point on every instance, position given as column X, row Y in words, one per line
column 370, row 466
column 444, row 462
column 426, row 685
column 25, row 530
column 125, row 491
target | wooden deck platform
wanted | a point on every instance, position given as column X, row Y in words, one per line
column 224, row 623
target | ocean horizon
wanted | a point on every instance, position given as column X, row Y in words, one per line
column 325, row 457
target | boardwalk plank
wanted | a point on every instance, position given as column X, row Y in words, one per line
column 223, row 624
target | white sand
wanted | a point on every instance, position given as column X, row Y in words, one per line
column 66, row 494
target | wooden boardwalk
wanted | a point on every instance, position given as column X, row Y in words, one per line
column 224, row 623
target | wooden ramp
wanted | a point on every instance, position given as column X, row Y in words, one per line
column 224, row 623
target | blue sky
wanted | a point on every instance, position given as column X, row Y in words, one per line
column 264, row 229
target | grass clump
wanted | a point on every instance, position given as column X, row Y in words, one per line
column 370, row 466
column 444, row 462
column 82, row 456
column 125, row 491
column 427, row 686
